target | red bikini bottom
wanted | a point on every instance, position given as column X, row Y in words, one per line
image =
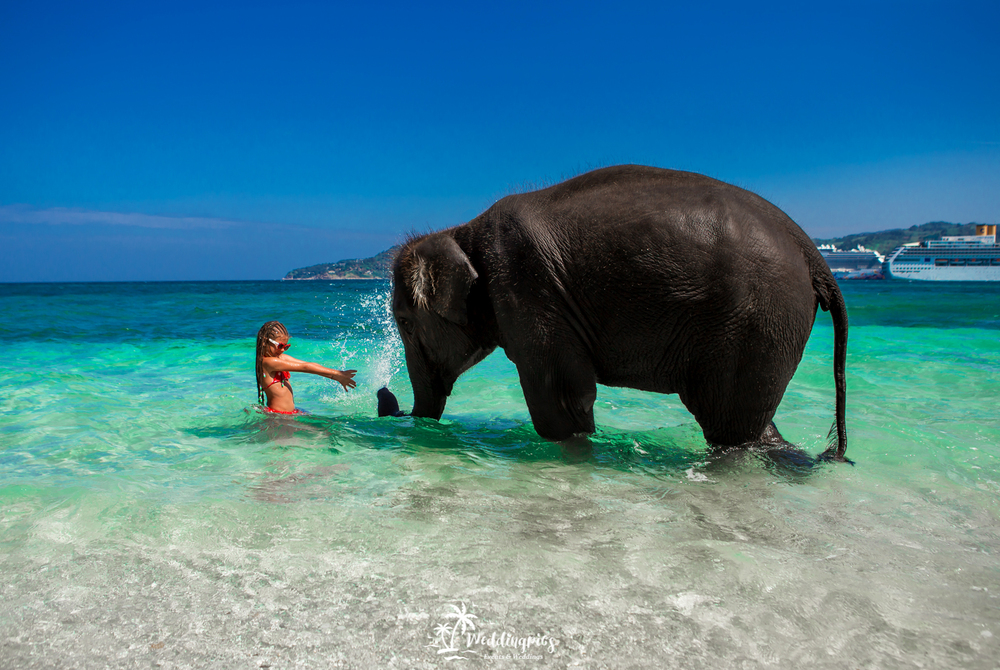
column 278, row 411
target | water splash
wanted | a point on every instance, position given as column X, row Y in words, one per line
column 372, row 346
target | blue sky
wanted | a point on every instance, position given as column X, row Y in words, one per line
column 239, row 141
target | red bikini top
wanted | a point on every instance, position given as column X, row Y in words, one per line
column 279, row 377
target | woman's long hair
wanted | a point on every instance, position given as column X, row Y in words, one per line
column 269, row 330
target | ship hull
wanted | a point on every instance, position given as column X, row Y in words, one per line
column 989, row 273
column 871, row 273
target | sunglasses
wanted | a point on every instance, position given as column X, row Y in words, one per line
column 282, row 346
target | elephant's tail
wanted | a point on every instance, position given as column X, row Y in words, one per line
column 831, row 300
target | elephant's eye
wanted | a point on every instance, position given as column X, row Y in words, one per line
column 405, row 324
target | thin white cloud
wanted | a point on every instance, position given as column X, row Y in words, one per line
column 25, row 214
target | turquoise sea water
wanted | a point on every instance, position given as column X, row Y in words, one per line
column 150, row 516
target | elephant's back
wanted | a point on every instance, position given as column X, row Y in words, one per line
column 656, row 225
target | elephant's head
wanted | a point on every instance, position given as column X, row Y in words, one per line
column 442, row 319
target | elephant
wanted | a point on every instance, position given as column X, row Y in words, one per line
column 630, row 276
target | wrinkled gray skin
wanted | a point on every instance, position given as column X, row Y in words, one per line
column 630, row 276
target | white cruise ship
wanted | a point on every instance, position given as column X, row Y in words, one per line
column 967, row 258
column 857, row 263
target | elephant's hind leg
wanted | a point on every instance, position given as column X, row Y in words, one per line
column 739, row 418
column 734, row 406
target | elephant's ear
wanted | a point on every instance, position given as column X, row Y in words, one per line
column 441, row 277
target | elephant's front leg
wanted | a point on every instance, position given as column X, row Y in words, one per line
column 560, row 392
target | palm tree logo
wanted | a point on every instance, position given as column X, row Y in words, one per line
column 444, row 635
column 463, row 619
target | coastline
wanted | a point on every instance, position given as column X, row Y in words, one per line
column 320, row 278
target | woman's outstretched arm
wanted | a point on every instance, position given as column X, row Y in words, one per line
column 286, row 363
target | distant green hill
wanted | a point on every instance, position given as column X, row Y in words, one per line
column 887, row 240
column 376, row 267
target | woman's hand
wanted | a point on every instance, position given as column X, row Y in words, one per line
column 345, row 377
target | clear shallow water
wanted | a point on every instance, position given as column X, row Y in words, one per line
column 149, row 515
